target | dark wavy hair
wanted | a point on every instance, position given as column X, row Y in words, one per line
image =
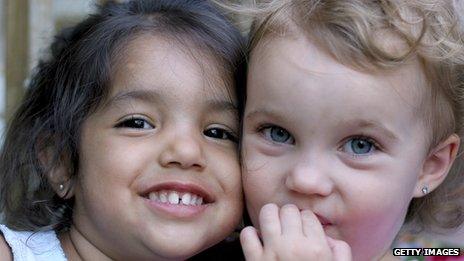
column 74, row 80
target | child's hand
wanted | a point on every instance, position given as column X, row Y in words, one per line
column 288, row 234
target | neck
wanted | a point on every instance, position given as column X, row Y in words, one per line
column 77, row 248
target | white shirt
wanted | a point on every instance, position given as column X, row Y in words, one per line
column 30, row 246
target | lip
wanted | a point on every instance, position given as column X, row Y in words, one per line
column 176, row 211
column 323, row 220
column 181, row 187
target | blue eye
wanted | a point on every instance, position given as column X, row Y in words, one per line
column 135, row 123
column 359, row 146
column 218, row 133
column 277, row 134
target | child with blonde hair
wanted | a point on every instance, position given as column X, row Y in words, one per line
column 125, row 145
column 352, row 126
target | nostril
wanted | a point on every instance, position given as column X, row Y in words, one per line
column 180, row 161
column 183, row 152
column 198, row 166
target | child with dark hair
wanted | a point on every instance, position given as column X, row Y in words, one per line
column 125, row 145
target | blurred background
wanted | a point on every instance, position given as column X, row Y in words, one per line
column 27, row 27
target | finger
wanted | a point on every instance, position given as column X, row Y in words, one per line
column 340, row 249
column 312, row 228
column 290, row 220
column 251, row 245
column 269, row 223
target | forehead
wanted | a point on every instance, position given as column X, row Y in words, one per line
column 293, row 61
column 153, row 60
column 296, row 69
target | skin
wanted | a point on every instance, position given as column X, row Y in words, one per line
column 5, row 250
column 346, row 149
column 184, row 133
column 288, row 234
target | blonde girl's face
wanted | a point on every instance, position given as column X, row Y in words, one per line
column 159, row 174
column 347, row 145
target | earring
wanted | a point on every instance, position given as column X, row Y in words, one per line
column 425, row 190
column 61, row 187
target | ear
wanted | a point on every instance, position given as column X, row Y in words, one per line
column 437, row 165
column 59, row 176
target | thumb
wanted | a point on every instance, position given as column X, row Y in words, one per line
column 341, row 251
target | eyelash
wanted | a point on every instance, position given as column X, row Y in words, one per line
column 375, row 144
column 126, row 123
column 262, row 128
column 226, row 135
column 223, row 133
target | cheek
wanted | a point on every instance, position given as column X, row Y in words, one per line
column 103, row 192
column 261, row 185
column 369, row 213
column 109, row 162
column 224, row 165
column 369, row 199
column 372, row 221
column 254, row 195
column 232, row 186
column 263, row 177
column 108, row 167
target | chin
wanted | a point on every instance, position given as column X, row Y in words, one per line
column 179, row 244
column 181, row 250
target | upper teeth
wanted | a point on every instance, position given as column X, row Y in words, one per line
column 174, row 197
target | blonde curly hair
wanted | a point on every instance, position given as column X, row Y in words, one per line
column 380, row 35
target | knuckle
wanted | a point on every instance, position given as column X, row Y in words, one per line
column 269, row 207
column 343, row 244
column 291, row 207
column 307, row 214
column 299, row 251
column 320, row 252
column 268, row 210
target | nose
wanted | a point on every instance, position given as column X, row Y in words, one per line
column 183, row 151
column 309, row 179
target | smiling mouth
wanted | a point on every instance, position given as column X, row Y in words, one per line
column 178, row 200
column 173, row 197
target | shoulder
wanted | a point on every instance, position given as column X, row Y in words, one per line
column 5, row 250
column 23, row 245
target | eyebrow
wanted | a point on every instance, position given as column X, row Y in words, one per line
column 221, row 105
column 148, row 96
column 151, row 96
column 275, row 114
column 371, row 124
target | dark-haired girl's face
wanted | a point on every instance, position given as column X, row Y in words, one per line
column 158, row 173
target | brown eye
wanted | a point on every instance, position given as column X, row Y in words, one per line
column 135, row 123
column 218, row 133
